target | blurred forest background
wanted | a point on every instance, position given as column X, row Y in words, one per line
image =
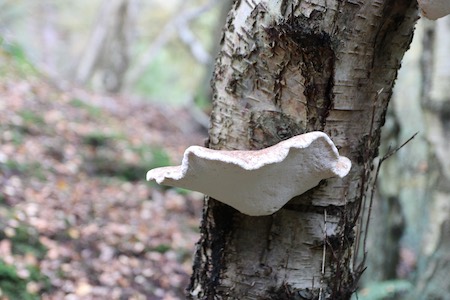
column 95, row 93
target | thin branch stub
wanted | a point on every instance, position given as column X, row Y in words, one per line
column 257, row 182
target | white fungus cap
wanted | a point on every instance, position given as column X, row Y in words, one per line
column 257, row 182
column 434, row 9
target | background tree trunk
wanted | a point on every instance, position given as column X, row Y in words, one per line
column 434, row 263
column 204, row 91
column 413, row 212
column 285, row 68
column 107, row 50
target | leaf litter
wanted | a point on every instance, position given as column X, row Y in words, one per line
column 72, row 171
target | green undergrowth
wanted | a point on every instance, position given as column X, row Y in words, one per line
column 13, row 60
column 16, row 287
column 92, row 110
column 103, row 159
column 97, row 154
column 29, row 169
column 383, row 290
column 24, row 240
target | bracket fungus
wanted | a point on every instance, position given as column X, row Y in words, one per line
column 434, row 9
column 257, row 182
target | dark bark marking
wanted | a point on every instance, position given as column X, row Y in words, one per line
column 365, row 150
column 268, row 128
column 216, row 227
column 283, row 7
column 287, row 292
column 314, row 52
column 385, row 42
column 237, row 3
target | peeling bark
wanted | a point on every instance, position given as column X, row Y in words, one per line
column 288, row 67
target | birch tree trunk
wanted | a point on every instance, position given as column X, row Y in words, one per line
column 285, row 68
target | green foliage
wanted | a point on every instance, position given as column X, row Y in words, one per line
column 104, row 161
column 97, row 139
column 92, row 110
column 181, row 191
column 161, row 248
column 26, row 240
column 169, row 70
column 37, row 276
column 31, row 118
column 152, row 157
column 15, row 59
column 14, row 50
column 32, row 169
column 11, row 284
column 384, row 290
column 119, row 169
column 15, row 287
column 18, row 135
column 158, row 77
column 131, row 172
column 31, row 123
column 158, row 157
column 202, row 102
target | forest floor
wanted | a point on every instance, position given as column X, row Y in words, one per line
column 77, row 218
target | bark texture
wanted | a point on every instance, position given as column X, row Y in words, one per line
column 285, row 68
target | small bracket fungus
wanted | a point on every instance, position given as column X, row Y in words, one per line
column 257, row 182
column 434, row 9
